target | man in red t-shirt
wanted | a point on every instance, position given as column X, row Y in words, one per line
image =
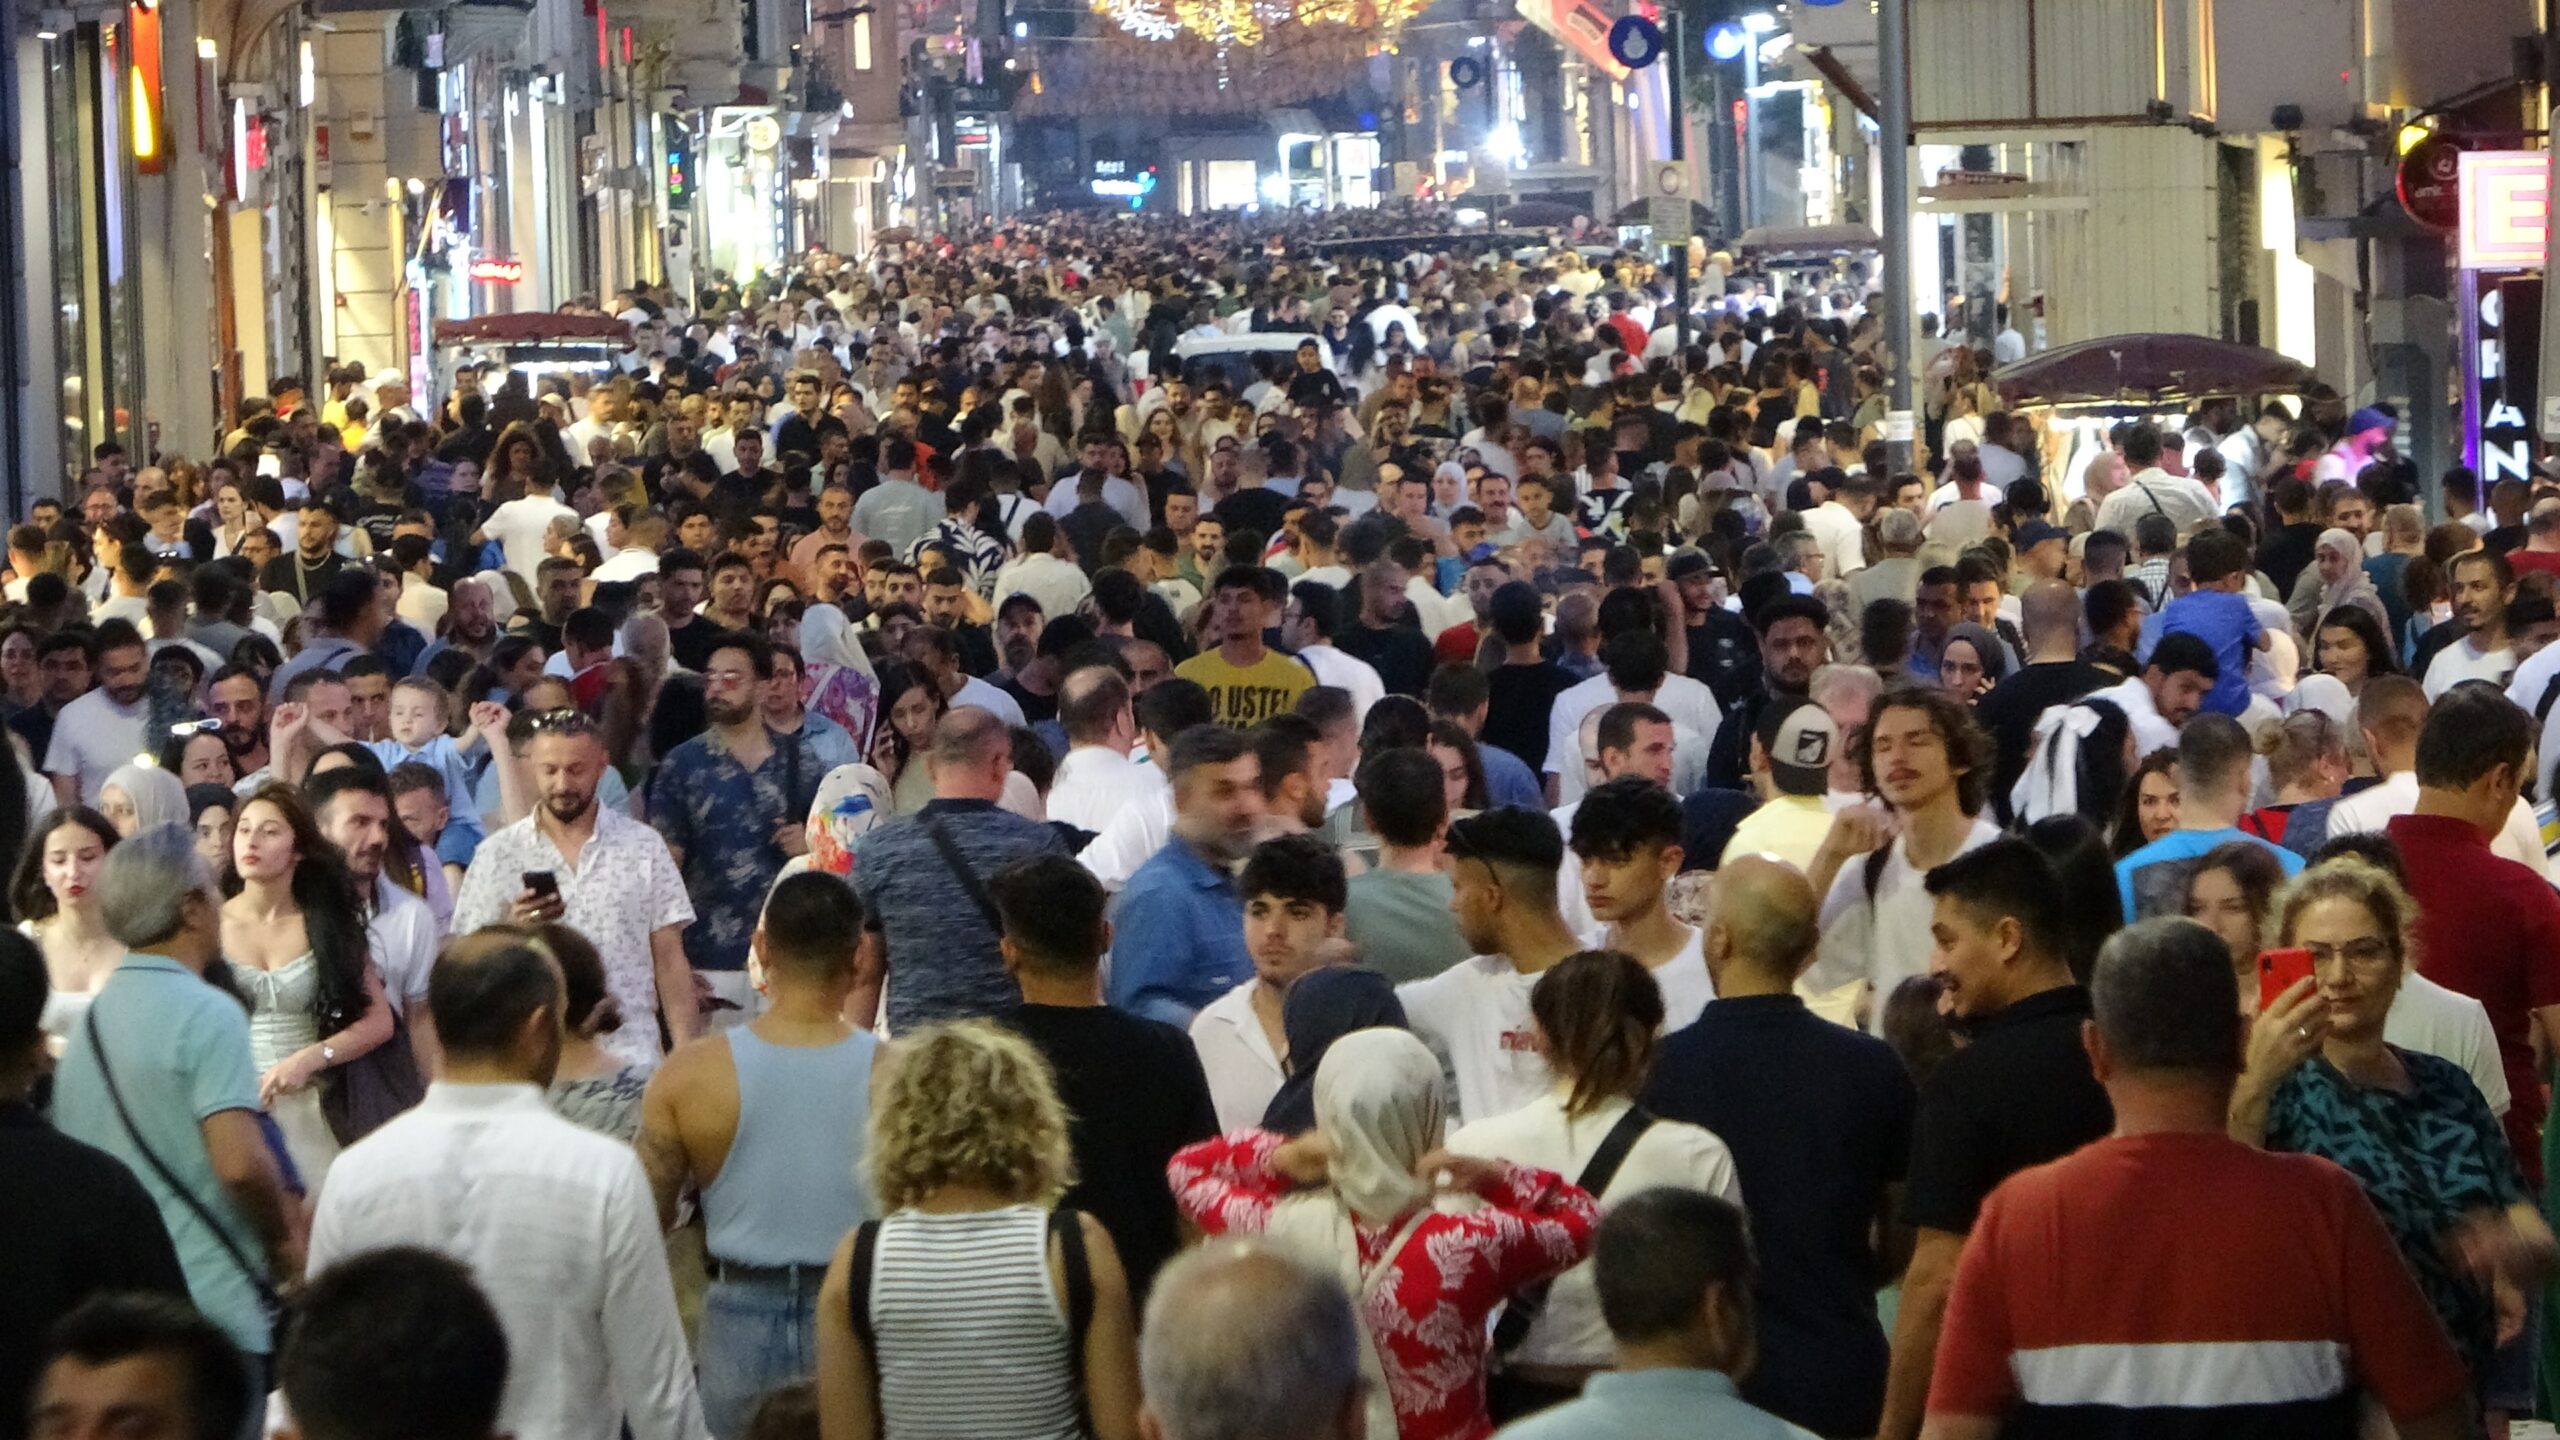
column 2487, row 926
column 2171, row 1280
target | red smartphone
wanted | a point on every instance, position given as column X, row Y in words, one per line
column 2277, row 971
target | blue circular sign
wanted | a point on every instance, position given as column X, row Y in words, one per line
column 1725, row 40
column 1466, row 72
column 1635, row 41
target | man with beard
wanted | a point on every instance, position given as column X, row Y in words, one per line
column 354, row 807
column 601, row 873
column 234, row 699
column 470, row 623
column 1792, row 645
column 714, row 801
column 106, row 727
column 1180, row 922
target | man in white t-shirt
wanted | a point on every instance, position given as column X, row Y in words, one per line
column 2483, row 583
column 2390, row 713
column 522, row 527
column 1625, row 841
column 1932, row 764
column 103, row 730
column 1476, row 1014
column 1690, row 704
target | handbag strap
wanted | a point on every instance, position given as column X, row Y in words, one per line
column 949, row 849
column 1531, row 1299
column 268, row 1299
column 1067, row 1227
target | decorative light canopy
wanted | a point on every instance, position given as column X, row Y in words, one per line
column 1227, row 23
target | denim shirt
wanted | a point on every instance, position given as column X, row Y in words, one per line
column 1178, row 937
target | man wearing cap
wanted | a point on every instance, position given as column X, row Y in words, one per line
column 2368, row 433
column 1791, row 754
column 1724, row 653
column 2044, row 548
column 2154, row 491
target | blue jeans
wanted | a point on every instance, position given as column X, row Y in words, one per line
column 758, row 1333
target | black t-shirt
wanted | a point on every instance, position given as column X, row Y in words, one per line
column 1258, row 510
column 692, row 645
column 292, row 574
column 1708, row 818
column 1135, row 1094
column 2010, row 712
column 1818, row 1118
column 2287, row 551
column 1035, row 707
column 1724, row 655
column 2020, row 1094
column 977, row 648
column 1516, row 716
column 1398, row 653
column 94, row 1229
column 540, row 631
column 660, row 473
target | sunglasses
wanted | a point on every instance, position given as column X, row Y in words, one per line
column 562, row 722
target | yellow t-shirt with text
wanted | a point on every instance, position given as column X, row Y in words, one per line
column 1240, row 696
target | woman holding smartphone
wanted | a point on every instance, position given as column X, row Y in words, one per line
column 2411, row 1127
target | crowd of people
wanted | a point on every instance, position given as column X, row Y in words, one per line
column 932, row 853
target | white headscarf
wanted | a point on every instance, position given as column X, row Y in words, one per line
column 827, row 638
column 159, row 798
column 1377, row 1100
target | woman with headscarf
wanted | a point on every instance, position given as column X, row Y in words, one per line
column 850, row 801
column 1320, row 1008
column 836, row 678
column 1972, row 661
column 2335, row 577
column 137, row 797
column 1356, row 1194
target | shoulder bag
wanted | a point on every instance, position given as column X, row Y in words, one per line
column 1531, row 1299
column 270, row 1303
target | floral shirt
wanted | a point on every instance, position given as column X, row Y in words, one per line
column 721, row 818
column 845, row 695
column 623, row 887
column 1428, row 1315
column 2426, row 1159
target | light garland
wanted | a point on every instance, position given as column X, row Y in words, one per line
column 1230, row 23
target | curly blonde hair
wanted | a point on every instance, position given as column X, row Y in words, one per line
column 966, row 1103
column 2365, row 883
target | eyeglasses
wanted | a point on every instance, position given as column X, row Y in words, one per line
column 185, row 728
column 2370, row 953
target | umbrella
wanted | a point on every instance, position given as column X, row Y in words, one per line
column 1537, row 214
column 2150, row 369
column 1806, row 242
column 531, row 327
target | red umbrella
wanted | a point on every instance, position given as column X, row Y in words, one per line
column 2149, row 369
column 530, row 327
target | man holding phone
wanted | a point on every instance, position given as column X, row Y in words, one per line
column 599, row 871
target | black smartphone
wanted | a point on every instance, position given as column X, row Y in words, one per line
column 542, row 883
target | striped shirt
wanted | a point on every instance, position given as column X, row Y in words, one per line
column 2184, row 1284
column 971, row 1336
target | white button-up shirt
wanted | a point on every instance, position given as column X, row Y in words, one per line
column 1235, row 1053
column 556, row 1224
column 403, row 935
column 623, row 889
column 1095, row 782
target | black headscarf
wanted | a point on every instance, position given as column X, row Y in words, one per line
column 1322, row 1007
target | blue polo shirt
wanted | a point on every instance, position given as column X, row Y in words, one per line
column 1177, row 937
column 179, row 1050
column 1657, row 1405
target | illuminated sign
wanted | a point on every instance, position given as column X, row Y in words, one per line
column 2498, row 437
column 1134, row 190
column 2506, row 209
column 498, row 272
column 143, row 119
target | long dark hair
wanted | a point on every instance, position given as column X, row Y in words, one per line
column 2127, row 834
column 2381, row 657
column 1599, row 1011
column 27, row 892
column 333, row 917
column 1449, row 734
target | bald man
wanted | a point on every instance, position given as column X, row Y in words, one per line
column 1764, row 1073
column 1243, row 1340
column 2053, row 675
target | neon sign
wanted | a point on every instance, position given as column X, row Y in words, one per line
column 2505, row 218
column 498, row 272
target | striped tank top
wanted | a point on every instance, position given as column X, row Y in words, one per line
column 970, row 1336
